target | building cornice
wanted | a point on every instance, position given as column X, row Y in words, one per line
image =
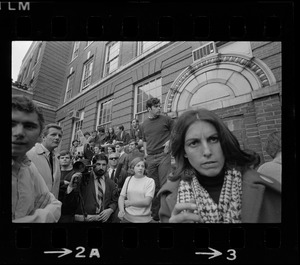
column 29, row 93
column 44, row 105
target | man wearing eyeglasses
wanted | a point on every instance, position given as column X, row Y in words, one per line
column 115, row 173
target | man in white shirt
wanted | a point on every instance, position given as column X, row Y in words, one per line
column 31, row 200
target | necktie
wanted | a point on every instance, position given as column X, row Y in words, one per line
column 99, row 196
column 51, row 166
column 112, row 175
column 51, row 162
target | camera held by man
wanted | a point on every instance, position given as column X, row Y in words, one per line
column 82, row 170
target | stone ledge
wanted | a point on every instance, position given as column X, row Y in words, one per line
column 265, row 91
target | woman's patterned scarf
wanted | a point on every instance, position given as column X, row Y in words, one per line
column 229, row 208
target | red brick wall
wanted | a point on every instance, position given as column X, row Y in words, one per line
column 268, row 112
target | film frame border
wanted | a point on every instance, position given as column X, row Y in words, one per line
column 272, row 25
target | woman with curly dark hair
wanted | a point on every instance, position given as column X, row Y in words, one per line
column 111, row 136
column 213, row 181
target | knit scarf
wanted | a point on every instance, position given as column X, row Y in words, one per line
column 229, row 208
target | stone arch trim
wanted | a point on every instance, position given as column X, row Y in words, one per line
column 258, row 70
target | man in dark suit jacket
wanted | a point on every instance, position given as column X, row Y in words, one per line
column 122, row 136
column 83, row 195
column 123, row 160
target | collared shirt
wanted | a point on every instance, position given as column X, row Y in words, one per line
column 27, row 187
column 110, row 170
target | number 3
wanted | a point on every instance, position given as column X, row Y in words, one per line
column 233, row 254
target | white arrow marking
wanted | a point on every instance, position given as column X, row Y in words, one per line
column 214, row 254
column 64, row 252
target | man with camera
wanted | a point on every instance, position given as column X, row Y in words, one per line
column 91, row 194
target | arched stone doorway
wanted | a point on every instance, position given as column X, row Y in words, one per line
column 228, row 84
column 217, row 81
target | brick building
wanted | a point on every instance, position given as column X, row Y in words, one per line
column 108, row 83
column 41, row 75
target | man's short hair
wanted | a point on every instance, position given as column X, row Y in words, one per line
column 51, row 125
column 273, row 144
column 100, row 129
column 121, row 127
column 24, row 104
column 152, row 102
column 86, row 133
column 64, row 153
column 100, row 157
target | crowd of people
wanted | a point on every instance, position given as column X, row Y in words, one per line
column 116, row 176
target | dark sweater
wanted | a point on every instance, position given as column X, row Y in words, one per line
column 156, row 132
column 213, row 185
column 65, row 175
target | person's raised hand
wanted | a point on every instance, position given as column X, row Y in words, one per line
column 184, row 213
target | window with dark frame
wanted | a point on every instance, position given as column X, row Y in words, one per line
column 144, row 46
column 78, row 126
column 87, row 73
column 70, row 84
column 112, row 57
column 143, row 92
column 75, row 50
column 105, row 113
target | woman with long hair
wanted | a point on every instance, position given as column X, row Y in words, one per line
column 213, row 181
column 111, row 136
column 136, row 196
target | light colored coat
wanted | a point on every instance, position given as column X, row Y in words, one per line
column 261, row 199
column 272, row 169
column 39, row 155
